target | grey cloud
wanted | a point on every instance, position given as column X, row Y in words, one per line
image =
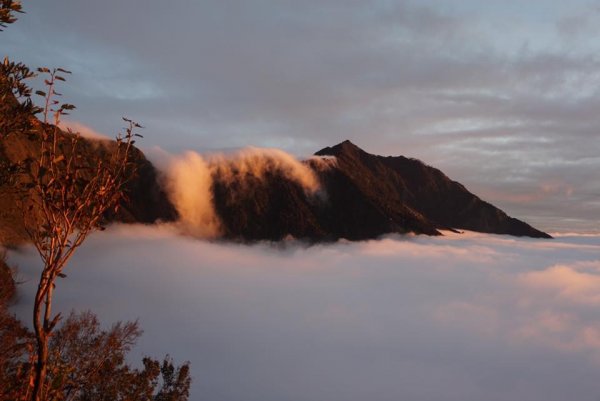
column 579, row 24
column 459, row 318
column 421, row 79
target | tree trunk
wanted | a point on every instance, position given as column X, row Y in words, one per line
column 42, row 330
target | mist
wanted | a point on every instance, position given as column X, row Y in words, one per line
column 189, row 180
column 464, row 317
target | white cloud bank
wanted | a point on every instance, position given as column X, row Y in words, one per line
column 461, row 318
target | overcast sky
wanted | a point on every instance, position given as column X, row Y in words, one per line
column 503, row 96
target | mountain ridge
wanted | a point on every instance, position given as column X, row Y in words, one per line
column 361, row 196
column 146, row 201
column 366, row 196
column 426, row 190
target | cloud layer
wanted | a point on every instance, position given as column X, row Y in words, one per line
column 459, row 318
column 501, row 95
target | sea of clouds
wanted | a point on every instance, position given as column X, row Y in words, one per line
column 464, row 317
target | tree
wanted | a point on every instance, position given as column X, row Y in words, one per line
column 16, row 106
column 16, row 351
column 88, row 364
column 66, row 197
column 8, row 8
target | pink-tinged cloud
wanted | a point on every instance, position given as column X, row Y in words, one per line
column 189, row 184
column 466, row 317
column 84, row 130
column 189, row 181
column 577, row 283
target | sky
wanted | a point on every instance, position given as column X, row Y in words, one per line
column 466, row 317
column 503, row 96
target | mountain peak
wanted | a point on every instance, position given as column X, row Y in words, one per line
column 345, row 147
column 406, row 194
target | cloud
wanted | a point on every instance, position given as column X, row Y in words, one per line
column 257, row 163
column 190, row 181
column 501, row 97
column 579, row 283
column 464, row 317
column 83, row 130
column 189, row 185
column 581, row 25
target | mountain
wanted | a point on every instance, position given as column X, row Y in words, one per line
column 147, row 202
column 425, row 191
column 362, row 196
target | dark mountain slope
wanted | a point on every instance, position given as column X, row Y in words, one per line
column 398, row 182
column 269, row 208
column 274, row 207
column 362, row 196
column 354, row 211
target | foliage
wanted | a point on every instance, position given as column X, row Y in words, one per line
column 7, row 283
column 64, row 197
column 87, row 363
column 16, row 357
column 16, row 104
column 16, row 347
column 8, row 8
column 16, row 108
